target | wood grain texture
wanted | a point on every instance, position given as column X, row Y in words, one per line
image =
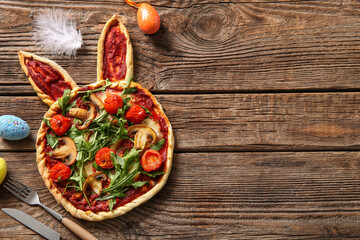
column 223, row 196
column 209, row 46
column 236, row 122
column 263, row 97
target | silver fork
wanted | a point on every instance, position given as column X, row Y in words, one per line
column 29, row 196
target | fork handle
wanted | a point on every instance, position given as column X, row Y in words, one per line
column 77, row 230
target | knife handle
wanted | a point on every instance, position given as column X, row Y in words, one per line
column 77, row 230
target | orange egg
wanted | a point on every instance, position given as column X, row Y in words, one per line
column 148, row 19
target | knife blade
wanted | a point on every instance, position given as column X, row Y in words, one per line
column 32, row 223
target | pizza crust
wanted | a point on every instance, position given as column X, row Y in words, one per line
column 44, row 97
column 129, row 50
column 99, row 216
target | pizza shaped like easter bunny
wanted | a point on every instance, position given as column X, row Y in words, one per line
column 98, row 195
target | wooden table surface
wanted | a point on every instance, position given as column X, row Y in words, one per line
column 264, row 101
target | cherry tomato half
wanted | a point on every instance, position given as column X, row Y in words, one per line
column 60, row 124
column 103, row 158
column 112, row 103
column 135, row 114
column 60, row 171
column 151, row 160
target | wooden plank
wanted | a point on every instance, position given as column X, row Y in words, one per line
column 236, row 122
column 223, row 196
column 210, row 46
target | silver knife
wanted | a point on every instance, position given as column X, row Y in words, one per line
column 31, row 223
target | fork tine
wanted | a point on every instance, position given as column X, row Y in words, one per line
column 14, row 193
column 18, row 182
column 17, row 187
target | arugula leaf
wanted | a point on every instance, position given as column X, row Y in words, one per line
column 111, row 203
column 59, row 179
column 64, row 101
column 126, row 89
column 128, row 169
column 129, row 90
column 117, row 161
column 139, row 184
column 47, row 122
column 67, row 184
column 146, row 110
column 88, row 92
column 157, row 146
column 96, row 166
column 153, row 174
column 52, row 140
column 126, row 100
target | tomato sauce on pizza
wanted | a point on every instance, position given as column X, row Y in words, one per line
column 46, row 78
column 114, row 67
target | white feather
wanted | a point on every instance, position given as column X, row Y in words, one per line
column 55, row 32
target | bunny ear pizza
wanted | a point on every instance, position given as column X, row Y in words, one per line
column 47, row 78
column 115, row 53
column 107, row 147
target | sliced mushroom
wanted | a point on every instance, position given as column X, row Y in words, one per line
column 94, row 181
column 155, row 126
column 67, row 151
column 144, row 136
column 90, row 116
column 95, row 99
column 78, row 113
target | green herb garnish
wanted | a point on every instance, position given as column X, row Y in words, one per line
column 64, row 102
column 157, row 146
column 153, row 174
column 46, row 121
column 88, row 92
column 111, row 203
column 146, row 110
column 126, row 89
column 52, row 140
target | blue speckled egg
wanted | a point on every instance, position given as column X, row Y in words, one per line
column 13, row 128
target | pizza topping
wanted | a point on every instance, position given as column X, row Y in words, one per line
column 78, row 113
column 157, row 146
column 60, row 124
column 46, row 78
column 60, row 172
column 151, row 160
column 90, row 116
column 112, row 103
column 103, row 158
column 64, row 102
column 89, row 93
column 126, row 168
column 144, row 136
column 94, row 182
column 106, row 179
column 135, row 114
column 154, row 126
column 67, row 151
